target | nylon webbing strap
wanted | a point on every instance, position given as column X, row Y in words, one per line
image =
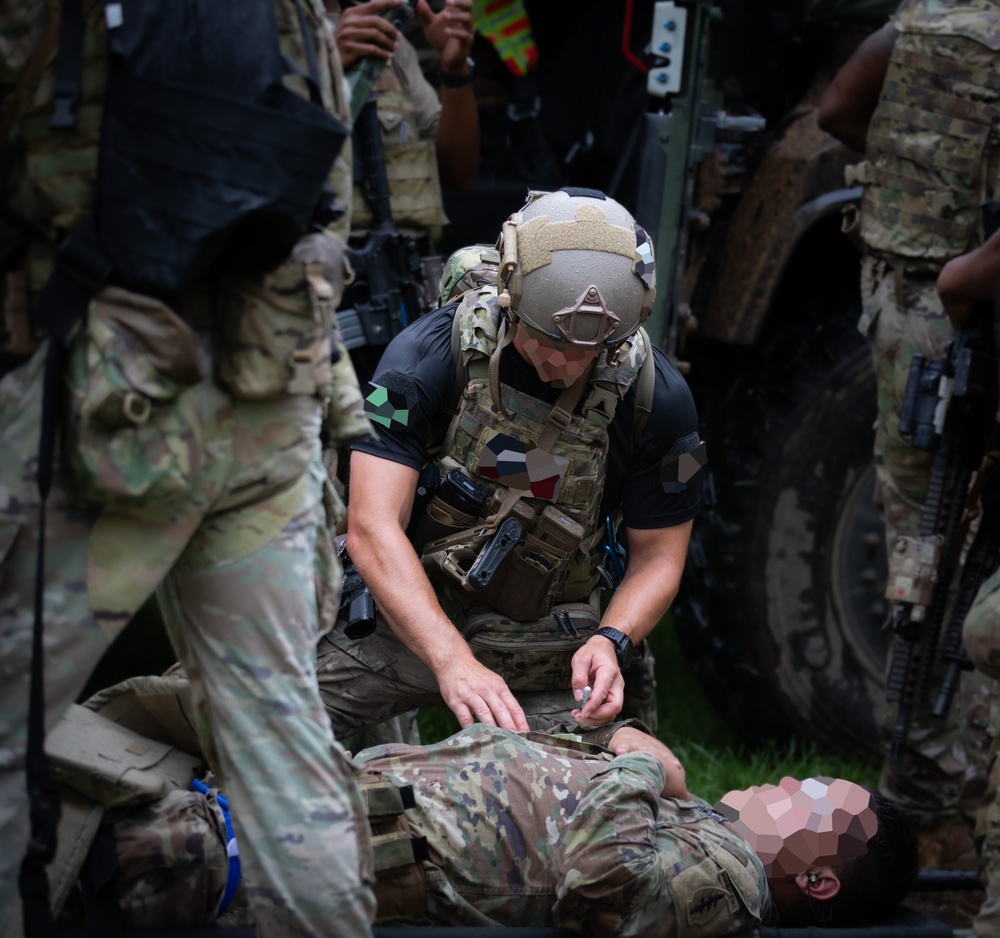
column 43, row 797
column 80, row 269
column 101, row 910
column 66, row 91
column 398, row 849
column 387, row 798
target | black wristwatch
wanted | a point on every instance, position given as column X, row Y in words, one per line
column 622, row 643
column 459, row 81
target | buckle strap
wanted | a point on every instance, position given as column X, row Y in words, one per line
column 386, row 798
column 66, row 90
column 398, row 849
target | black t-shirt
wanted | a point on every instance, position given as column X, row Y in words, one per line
column 642, row 475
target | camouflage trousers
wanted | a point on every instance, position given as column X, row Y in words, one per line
column 943, row 768
column 246, row 575
column 367, row 681
column 981, row 634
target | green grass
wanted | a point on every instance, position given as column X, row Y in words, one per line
column 717, row 760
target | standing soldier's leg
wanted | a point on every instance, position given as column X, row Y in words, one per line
column 73, row 640
column 245, row 628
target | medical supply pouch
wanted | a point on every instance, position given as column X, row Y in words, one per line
column 130, row 437
column 535, row 655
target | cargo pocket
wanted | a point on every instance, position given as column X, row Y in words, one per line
column 131, row 437
column 275, row 338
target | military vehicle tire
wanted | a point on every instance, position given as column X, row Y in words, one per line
column 782, row 602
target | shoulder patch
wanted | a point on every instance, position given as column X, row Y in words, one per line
column 390, row 399
column 684, row 465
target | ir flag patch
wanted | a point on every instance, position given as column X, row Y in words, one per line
column 678, row 472
column 518, row 465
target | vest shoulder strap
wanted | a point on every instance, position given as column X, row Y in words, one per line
column 478, row 367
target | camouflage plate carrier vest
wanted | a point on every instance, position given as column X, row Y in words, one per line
column 584, row 442
column 935, row 134
column 410, row 165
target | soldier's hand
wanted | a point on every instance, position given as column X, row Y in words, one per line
column 362, row 30
column 595, row 666
column 474, row 692
column 450, row 32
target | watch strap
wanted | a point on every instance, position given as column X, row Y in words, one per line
column 459, row 81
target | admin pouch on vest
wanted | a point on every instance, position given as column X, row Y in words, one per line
column 539, row 603
column 936, row 133
column 133, row 809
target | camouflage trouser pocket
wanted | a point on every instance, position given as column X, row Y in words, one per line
column 131, row 437
column 532, row 656
column 275, row 338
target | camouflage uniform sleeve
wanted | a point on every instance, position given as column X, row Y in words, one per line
column 599, row 735
column 607, row 861
column 425, row 101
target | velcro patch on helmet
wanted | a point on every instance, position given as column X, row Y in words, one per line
column 644, row 265
column 520, row 465
column 390, row 399
column 537, row 238
column 684, row 468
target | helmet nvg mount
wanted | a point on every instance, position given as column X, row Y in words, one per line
column 576, row 268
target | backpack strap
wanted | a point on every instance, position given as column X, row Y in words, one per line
column 645, row 383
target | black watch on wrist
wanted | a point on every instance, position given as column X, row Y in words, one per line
column 459, row 81
column 622, row 643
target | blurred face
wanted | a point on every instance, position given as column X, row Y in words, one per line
column 558, row 365
column 795, row 825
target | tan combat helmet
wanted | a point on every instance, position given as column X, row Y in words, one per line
column 576, row 268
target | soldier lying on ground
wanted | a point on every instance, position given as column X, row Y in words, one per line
column 593, row 830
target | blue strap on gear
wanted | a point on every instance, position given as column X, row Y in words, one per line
column 613, row 565
column 232, row 849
